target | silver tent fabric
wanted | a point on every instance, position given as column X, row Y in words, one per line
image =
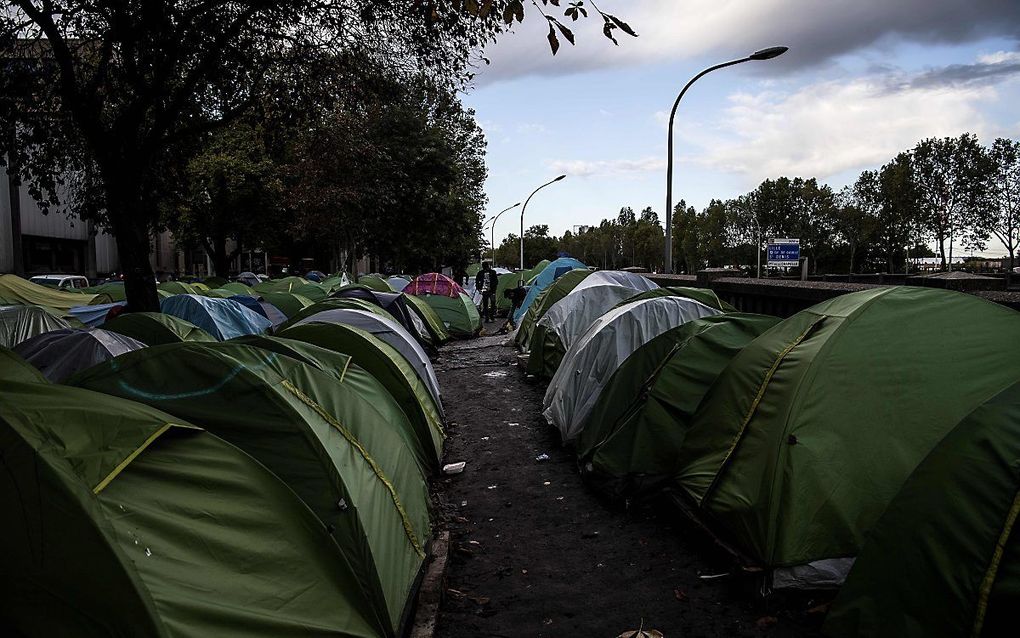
column 389, row 331
column 62, row 353
column 19, row 323
column 617, row 278
column 397, row 283
column 591, row 360
column 569, row 317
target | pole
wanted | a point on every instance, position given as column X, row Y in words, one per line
column 492, row 228
column 552, row 181
column 764, row 54
column 758, row 274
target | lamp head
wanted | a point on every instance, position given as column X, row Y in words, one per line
column 559, row 178
column 769, row 53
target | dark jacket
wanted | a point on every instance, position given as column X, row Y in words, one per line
column 493, row 280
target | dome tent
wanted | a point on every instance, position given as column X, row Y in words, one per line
column 944, row 558
column 178, row 288
column 388, row 366
column 14, row 368
column 343, row 369
column 287, row 302
column 434, row 283
column 221, row 318
column 590, row 362
column 392, row 305
column 264, row 308
column 459, row 315
column 389, row 331
column 433, row 323
column 568, row 318
column 119, row 562
column 61, row 353
column 545, row 300
column 545, row 278
column 15, row 290
column 326, row 441
column 20, row 323
column 813, row 427
column 375, row 282
column 397, row 283
column 156, row 328
column 631, row 441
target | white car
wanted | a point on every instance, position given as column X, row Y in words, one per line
column 61, row 282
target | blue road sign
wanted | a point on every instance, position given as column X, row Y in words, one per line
column 783, row 252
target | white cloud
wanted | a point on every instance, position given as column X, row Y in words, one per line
column 816, row 31
column 603, row 168
column 1000, row 57
column 830, row 127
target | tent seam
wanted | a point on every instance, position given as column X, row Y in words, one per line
column 985, row 590
column 405, row 519
column 131, row 457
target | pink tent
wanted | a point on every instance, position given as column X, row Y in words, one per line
column 434, row 283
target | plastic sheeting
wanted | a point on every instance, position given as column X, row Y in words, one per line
column 389, row 331
column 635, row 282
column 19, row 323
column 94, row 316
column 222, row 318
column 592, row 360
column 62, row 353
column 397, row 283
column 569, row 317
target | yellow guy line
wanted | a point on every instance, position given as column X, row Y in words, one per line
column 408, row 528
column 989, row 580
column 130, row 457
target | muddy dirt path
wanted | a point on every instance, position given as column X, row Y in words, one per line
column 534, row 553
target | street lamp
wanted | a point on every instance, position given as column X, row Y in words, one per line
column 493, row 229
column 522, row 219
column 764, row 54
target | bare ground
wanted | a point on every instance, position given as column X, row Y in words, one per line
column 535, row 553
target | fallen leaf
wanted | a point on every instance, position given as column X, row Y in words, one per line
column 766, row 621
column 680, row 594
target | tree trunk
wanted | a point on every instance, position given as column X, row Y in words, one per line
column 133, row 248
column 216, row 248
column 942, row 249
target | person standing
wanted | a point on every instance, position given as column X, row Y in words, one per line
column 486, row 281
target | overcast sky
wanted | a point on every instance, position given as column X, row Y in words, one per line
column 863, row 80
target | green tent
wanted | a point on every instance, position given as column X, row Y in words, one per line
column 238, row 288
column 14, row 368
column 325, row 439
column 15, row 290
column 156, row 328
column 199, row 287
column 121, row 520
column 353, row 376
column 556, row 291
column 311, row 291
column 473, row 270
column 507, row 281
column 630, row 443
column 114, row 290
column 20, row 323
column 287, row 284
column 375, row 282
column 178, row 288
column 459, row 316
column 288, row 303
column 220, row 293
column 812, row 428
column 433, row 323
column 387, row 365
column 214, row 282
column 944, row 558
column 333, row 303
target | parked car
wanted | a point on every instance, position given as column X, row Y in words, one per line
column 61, row 282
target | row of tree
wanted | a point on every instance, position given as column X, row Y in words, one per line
column 950, row 192
column 340, row 113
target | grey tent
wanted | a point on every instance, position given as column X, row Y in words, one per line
column 18, row 323
column 389, row 331
column 61, row 353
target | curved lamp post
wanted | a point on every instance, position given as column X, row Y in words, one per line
column 764, row 54
column 552, row 181
column 492, row 228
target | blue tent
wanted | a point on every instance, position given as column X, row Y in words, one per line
column 94, row 316
column 222, row 318
column 261, row 306
column 544, row 279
